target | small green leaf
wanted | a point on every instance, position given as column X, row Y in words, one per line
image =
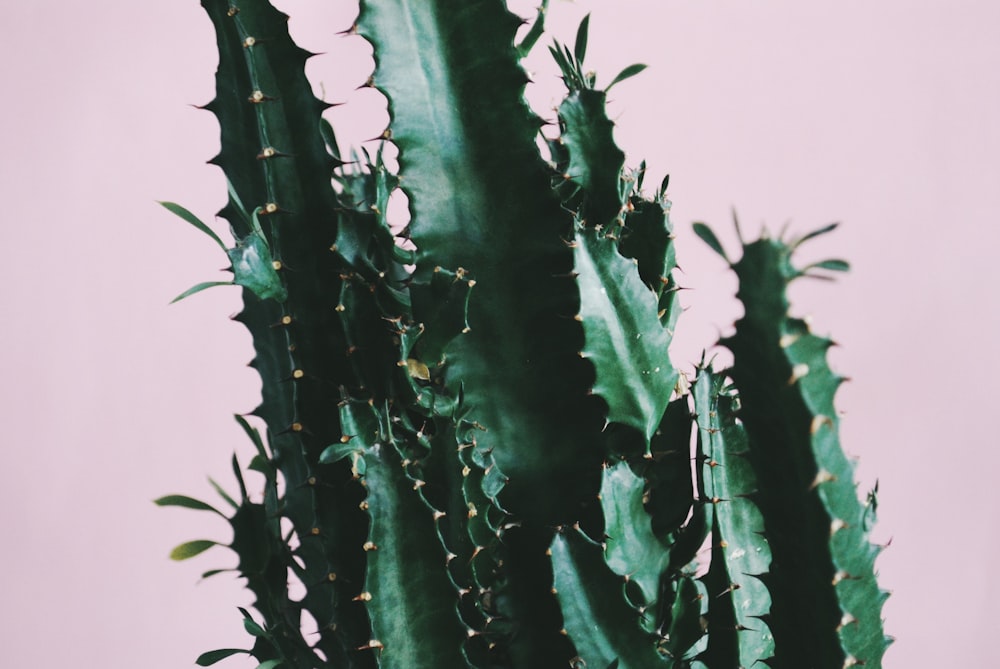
column 193, row 220
column 223, row 494
column 815, row 233
column 580, row 47
column 214, row 572
column 663, row 185
column 252, row 432
column 709, row 238
column 213, row 656
column 186, row 502
column 536, row 31
column 234, row 197
column 833, row 264
column 627, row 73
column 191, row 548
column 239, row 479
column 200, row 287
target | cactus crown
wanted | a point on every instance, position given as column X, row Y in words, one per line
column 477, row 450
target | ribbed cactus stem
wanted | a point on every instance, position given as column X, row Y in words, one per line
column 478, row 452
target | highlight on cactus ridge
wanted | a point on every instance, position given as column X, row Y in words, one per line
column 473, row 448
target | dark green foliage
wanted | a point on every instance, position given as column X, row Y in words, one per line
column 478, row 453
column 816, row 526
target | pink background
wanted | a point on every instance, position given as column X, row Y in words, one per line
column 882, row 115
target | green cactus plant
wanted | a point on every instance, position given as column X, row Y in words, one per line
column 477, row 450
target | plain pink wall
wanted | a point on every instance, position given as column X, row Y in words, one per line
column 881, row 115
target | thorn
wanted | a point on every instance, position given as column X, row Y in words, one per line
column 822, row 476
column 787, row 340
column 798, row 371
column 848, row 619
column 841, row 575
column 819, row 421
column 369, row 546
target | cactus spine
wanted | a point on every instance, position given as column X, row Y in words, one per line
column 478, row 453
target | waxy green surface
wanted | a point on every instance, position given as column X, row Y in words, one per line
column 826, row 603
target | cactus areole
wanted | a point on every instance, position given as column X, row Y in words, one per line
column 473, row 448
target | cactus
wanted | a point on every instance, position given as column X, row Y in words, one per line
column 477, row 451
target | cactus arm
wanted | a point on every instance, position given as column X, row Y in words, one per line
column 480, row 199
column 648, row 237
column 738, row 600
column 412, row 602
column 595, row 161
column 282, row 201
column 407, row 592
column 535, row 32
column 271, row 117
column 670, row 489
column 825, row 599
column 624, row 338
column 601, row 623
column 454, row 489
column 630, row 547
